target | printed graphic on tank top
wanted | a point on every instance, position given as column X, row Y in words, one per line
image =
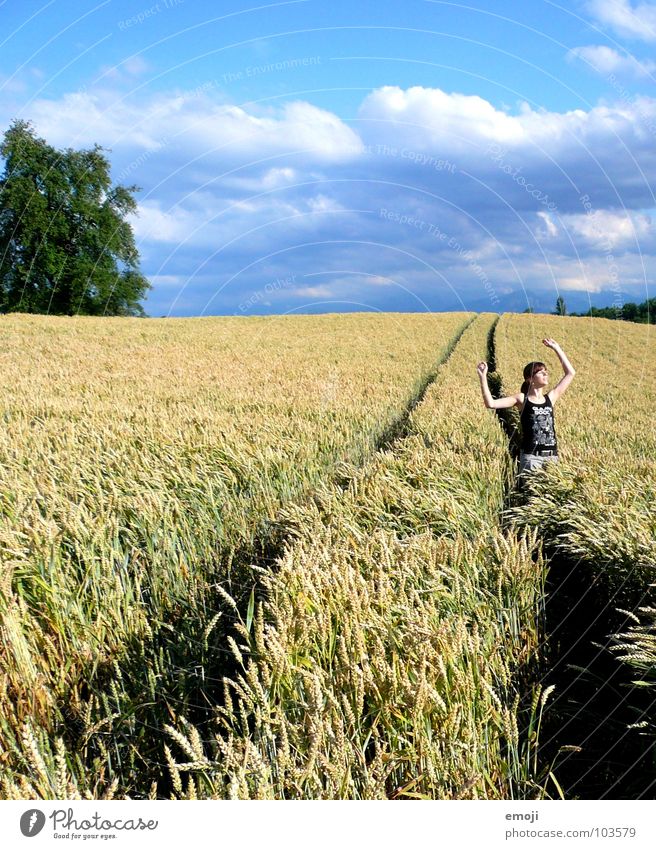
column 538, row 429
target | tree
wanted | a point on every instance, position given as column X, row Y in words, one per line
column 561, row 309
column 630, row 312
column 65, row 244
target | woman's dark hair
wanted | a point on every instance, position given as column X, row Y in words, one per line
column 529, row 371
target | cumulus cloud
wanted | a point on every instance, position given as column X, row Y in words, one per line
column 606, row 61
column 617, row 230
column 270, row 178
column 579, row 284
column 322, row 291
column 604, row 230
column 152, row 223
column 421, row 116
column 633, row 21
column 421, row 119
column 198, row 123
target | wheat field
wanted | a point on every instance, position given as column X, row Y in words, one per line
column 143, row 463
column 274, row 557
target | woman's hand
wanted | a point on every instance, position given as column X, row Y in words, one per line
column 481, row 368
column 551, row 343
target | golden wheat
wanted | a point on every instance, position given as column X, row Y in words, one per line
column 142, row 464
column 383, row 662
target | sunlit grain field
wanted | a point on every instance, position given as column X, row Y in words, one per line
column 143, row 464
column 383, row 663
column 239, row 562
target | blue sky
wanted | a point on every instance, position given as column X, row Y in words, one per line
column 314, row 157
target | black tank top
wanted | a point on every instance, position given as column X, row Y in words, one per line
column 538, row 429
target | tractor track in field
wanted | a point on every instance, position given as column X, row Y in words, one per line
column 590, row 710
column 193, row 688
column 271, row 541
column 275, row 536
column 594, row 703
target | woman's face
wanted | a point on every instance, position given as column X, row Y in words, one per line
column 540, row 377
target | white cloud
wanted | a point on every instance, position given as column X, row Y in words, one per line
column 429, row 114
column 345, row 281
column 318, row 130
column 197, row 122
column 606, row 61
column 323, row 203
column 20, row 82
column 580, row 284
column 315, row 292
column 154, row 224
column 135, row 65
column 275, row 177
column 378, row 280
column 487, row 249
column 166, row 280
column 462, row 127
column 252, row 150
column 271, row 178
column 84, row 118
column 550, row 227
column 600, row 229
column 604, row 228
column 637, row 21
column 12, row 84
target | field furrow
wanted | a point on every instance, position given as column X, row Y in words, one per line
column 384, row 660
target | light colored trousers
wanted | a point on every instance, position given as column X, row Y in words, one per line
column 531, row 462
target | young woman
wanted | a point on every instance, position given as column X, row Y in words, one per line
column 539, row 443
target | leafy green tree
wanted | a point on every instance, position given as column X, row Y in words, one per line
column 561, row 309
column 647, row 311
column 65, row 244
column 630, row 312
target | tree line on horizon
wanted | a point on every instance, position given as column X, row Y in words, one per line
column 643, row 313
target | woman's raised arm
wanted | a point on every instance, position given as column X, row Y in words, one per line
column 490, row 402
column 568, row 368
